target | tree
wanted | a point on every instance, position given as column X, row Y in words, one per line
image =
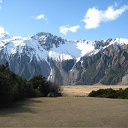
column 40, row 83
column 14, row 88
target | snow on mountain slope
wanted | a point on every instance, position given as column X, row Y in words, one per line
column 85, row 47
column 23, row 45
column 120, row 41
column 33, row 48
column 68, row 50
column 60, row 49
column 117, row 41
column 71, row 50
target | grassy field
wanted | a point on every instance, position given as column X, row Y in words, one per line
column 85, row 90
column 69, row 111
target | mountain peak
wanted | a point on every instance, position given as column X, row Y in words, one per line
column 46, row 34
column 47, row 40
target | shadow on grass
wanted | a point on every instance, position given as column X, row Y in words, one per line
column 23, row 106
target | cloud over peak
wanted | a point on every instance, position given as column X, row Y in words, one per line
column 66, row 28
column 94, row 16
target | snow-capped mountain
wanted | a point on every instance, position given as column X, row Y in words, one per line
column 44, row 45
column 54, row 57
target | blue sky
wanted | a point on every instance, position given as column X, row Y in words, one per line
column 70, row 19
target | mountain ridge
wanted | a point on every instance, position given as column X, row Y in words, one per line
column 59, row 59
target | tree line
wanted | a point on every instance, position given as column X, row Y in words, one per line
column 14, row 88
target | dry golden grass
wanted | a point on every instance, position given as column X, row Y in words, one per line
column 81, row 90
column 66, row 112
column 69, row 111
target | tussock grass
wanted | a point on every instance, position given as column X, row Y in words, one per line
column 84, row 90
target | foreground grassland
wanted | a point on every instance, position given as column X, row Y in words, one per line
column 69, row 111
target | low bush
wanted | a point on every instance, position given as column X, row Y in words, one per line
column 110, row 93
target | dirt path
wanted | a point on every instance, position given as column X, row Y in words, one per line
column 67, row 112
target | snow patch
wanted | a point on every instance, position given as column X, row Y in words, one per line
column 121, row 41
column 85, row 47
column 59, row 57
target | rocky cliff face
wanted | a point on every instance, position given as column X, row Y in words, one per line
column 66, row 62
column 108, row 66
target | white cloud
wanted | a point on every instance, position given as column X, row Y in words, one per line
column 66, row 28
column 40, row 17
column 94, row 16
column 3, row 31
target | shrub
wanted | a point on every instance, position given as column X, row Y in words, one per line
column 110, row 93
column 55, row 90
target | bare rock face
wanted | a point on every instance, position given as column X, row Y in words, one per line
column 124, row 80
column 108, row 66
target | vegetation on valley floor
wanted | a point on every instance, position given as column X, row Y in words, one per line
column 110, row 93
column 14, row 88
